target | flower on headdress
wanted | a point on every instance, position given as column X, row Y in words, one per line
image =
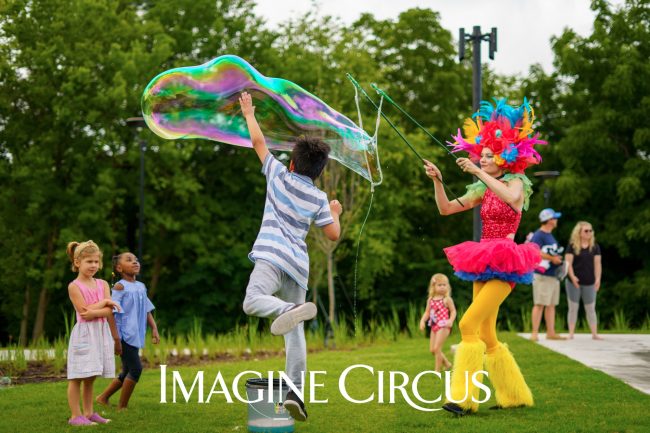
column 498, row 160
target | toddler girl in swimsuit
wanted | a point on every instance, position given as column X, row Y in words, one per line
column 440, row 314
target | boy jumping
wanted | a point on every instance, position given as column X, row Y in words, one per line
column 278, row 283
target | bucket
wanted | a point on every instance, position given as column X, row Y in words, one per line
column 264, row 416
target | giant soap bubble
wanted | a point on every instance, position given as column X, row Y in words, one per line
column 202, row 102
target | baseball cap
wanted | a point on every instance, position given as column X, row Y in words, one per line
column 548, row 214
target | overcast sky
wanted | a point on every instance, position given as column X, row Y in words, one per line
column 525, row 27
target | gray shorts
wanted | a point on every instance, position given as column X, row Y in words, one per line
column 546, row 290
column 587, row 292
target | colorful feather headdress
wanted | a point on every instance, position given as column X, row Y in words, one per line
column 505, row 130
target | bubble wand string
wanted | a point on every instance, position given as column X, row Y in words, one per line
column 396, row 105
column 392, row 125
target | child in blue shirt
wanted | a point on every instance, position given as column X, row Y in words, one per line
column 131, row 325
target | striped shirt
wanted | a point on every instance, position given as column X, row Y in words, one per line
column 292, row 204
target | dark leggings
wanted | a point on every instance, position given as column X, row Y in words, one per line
column 131, row 365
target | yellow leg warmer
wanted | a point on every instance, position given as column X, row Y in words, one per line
column 508, row 382
column 468, row 360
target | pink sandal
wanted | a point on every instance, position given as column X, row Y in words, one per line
column 80, row 420
column 95, row 418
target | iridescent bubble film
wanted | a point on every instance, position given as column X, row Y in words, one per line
column 202, row 102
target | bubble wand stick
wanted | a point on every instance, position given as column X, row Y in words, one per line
column 396, row 105
column 392, row 125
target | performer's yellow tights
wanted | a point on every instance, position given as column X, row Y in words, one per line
column 480, row 320
column 480, row 347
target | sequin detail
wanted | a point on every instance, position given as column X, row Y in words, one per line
column 499, row 220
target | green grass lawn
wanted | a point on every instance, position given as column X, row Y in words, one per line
column 569, row 398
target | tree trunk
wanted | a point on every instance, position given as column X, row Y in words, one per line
column 330, row 286
column 314, row 295
column 155, row 276
column 43, row 300
column 44, row 297
column 24, row 321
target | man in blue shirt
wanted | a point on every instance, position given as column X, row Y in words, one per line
column 546, row 286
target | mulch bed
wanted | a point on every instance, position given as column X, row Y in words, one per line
column 40, row 372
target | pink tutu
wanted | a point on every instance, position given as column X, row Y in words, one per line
column 501, row 259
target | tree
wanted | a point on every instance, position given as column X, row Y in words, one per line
column 70, row 73
column 595, row 111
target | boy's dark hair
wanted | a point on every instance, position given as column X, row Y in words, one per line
column 310, row 156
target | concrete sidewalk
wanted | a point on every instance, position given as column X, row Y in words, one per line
column 624, row 356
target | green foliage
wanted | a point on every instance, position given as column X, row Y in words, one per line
column 621, row 321
column 71, row 72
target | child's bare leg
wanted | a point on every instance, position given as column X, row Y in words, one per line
column 432, row 349
column 74, row 386
column 445, row 361
column 436, row 351
column 111, row 389
column 87, row 394
column 127, row 389
column 432, row 342
column 441, row 336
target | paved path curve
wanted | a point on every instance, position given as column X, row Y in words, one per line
column 623, row 356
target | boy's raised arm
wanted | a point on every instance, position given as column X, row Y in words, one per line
column 257, row 138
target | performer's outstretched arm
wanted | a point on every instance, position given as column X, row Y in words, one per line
column 446, row 207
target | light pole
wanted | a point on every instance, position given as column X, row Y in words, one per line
column 137, row 123
column 476, row 38
column 546, row 175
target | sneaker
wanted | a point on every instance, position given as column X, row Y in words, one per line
column 288, row 320
column 98, row 419
column 455, row 409
column 295, row 407
column 80, row 420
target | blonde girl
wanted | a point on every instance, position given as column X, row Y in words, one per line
column 90, row 351
column 440, row 314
